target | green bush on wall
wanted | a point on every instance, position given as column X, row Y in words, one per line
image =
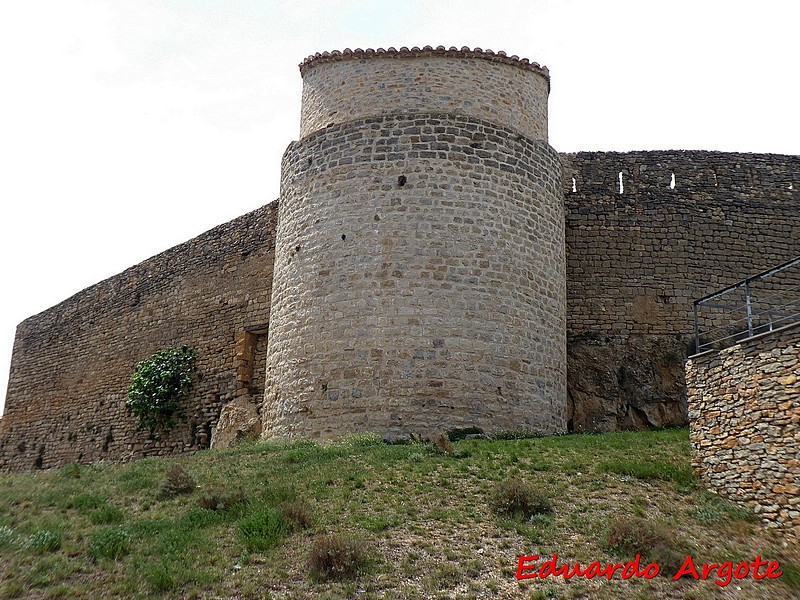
column 159, row 385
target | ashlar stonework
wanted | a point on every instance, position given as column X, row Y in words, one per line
column 436, row 265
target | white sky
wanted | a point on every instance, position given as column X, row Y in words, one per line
column 129, row 126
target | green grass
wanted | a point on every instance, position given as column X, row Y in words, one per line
column 429, row 524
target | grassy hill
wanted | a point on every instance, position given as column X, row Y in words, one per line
column 361, row 519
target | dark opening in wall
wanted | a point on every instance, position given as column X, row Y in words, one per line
column 401, row 181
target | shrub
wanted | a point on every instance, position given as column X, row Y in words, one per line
column 443, row 444
column 653, row 543
column 297, row 513
column 44, row 541
column 109, row 543
column 176, row 481
column 159, row 385
column 216, row 500
column 336, row 557
column 520, row 500
column 263, row 529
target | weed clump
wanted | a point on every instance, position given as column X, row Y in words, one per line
column 44, row 541
column 7, row 537
column 519, row 500
column 711, row 509
column 263, row 529
column 176, row 482
column 630, row 536
column 215, row 500
column 109, row 543
column 443, row 444
column 336, row 557
column 297, row 513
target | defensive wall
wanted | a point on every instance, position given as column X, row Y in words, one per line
column 654, row 247
column 647, row 234
column 72, row 363
column 744, row 404
column 400, row 225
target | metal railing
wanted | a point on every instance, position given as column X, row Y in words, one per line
column 750, row 307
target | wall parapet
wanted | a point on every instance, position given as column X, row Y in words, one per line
column 744, row 416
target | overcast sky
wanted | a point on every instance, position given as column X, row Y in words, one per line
column 129, row 126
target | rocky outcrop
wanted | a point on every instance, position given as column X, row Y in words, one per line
column 631, row 382
column 239, row 420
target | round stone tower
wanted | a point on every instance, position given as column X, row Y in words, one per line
column 419, row 281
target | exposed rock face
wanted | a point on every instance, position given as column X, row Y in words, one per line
column 238, row 420
column 632, row 382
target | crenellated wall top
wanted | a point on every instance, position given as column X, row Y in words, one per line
column 417, row 52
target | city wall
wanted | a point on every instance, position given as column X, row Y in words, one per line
column 72, row 363
column 647, row 234
column 635, row 262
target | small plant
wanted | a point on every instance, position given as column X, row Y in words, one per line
column 106, row 515
column 109, row 543
column 215, row 500
column 12, row 589
column 712, row 509
column 336, row 557
column 84, row 503
column 71, row 471
column 297, row 513
column 519, row 500
column 443, row 444
column 159, row 385
column 44, row 541
column 158, row 577
column 653, row 543
column 791, row 574
column 263, row 529
column 7, row 537
column 176, row 481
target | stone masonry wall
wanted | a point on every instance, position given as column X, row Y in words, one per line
column 638, row 257
column 72, row 363
column 339, row 87
column 744, row 409
column 635, row 261
column 419, row 281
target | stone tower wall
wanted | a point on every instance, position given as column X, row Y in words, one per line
column 419, row 260
column 341, row 87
